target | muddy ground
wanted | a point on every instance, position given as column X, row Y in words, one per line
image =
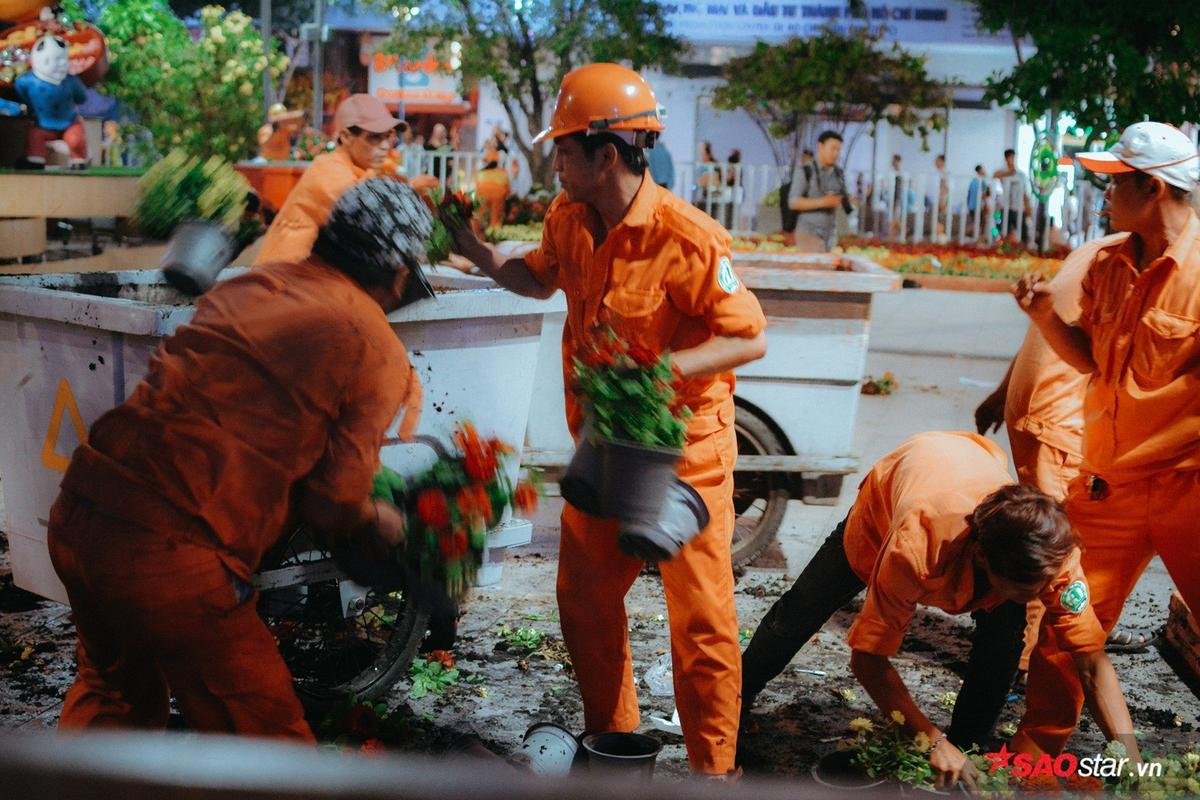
column 503, row 689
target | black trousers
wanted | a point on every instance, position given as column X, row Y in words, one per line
column 827, row 584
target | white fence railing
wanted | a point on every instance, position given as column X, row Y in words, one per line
column 905, row 206
column 894, row 206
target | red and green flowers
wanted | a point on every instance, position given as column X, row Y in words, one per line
column 451, row 506
column 450, row 210
column 630, row 392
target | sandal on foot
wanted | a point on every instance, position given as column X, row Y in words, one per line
column 1131, row 640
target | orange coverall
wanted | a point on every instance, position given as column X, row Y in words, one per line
column 294, row 229
column 491, row 186
column 1139, row 491
column 906, row 539
column 1043, row 409
column 662, row 278
column 283, row 383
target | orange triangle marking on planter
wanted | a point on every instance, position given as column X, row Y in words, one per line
column 64, row 400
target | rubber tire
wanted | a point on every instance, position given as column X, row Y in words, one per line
column 388, row 667
column 756, row 437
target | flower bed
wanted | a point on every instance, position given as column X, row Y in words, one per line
column 1005, row 263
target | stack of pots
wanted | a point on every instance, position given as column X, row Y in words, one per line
column 636, row 485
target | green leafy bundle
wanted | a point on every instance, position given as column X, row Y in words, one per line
column 629, row 393
column 181, row 187
column 451, row 506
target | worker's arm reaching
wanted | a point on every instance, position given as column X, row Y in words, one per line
column 1105, row 700
column 1072, row 344
column 511, row 273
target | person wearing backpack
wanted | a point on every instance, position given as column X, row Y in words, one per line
column 818, row 189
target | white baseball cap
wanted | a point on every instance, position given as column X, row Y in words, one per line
column 1153, row 147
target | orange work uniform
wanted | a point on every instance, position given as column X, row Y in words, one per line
column 283, row 383
column 1043, row 409
column 906, row 537
column 1139, row 491
column 491, row 186
column 294, row 229
column 662, row 278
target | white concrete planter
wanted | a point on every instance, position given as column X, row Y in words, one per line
column 68, row 353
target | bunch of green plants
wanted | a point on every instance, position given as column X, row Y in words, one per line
column 430, row 677
column 1180, row 777
column 629, row 393
column 884, row 749
column 522, row 638
column 205, row 96
column 181, row 187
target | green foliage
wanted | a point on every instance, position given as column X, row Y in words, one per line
column 430, row 677
column 182, row 187
column 832, row 79
column 1178, row 776
column 204, row 96
column 1098, row 60
column 525, row 47
column 527, row 639
column 884, row 749
column 629, row 393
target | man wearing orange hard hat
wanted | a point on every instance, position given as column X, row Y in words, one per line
column 1138, row 492
column 630, row 255
column 366, row 131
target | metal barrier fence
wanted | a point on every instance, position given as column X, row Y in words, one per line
column 894, row 206
column 905, row 206
column 454, row 169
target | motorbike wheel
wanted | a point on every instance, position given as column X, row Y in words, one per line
column 759, row 498
column 337, row 637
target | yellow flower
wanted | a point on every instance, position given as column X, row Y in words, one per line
column 848, row 695
column 921, row 741
column 897, row 717
column 861, row 725
column 247, row 88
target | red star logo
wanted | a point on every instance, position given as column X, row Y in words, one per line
column 1001, row 759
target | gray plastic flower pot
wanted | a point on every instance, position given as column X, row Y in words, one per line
column 580, row 484
column 630, row 755
column 683, row 515
column 835, row 771
column 196, row 253
column 636, row 480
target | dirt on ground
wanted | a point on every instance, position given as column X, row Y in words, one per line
column 503, row 686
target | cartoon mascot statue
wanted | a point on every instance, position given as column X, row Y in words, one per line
column 45, row 63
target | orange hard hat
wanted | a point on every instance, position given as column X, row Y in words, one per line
column 603, row 97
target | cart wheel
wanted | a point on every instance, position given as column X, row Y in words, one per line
column 759, row 498
column 332, row 655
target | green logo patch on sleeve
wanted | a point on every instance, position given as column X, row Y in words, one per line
column 1074, row 598
column 726, row 278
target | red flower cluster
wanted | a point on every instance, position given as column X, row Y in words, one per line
column 454, row 503
column 630, row 391
column 433, row 509
column 479, row 457
column 373, row 748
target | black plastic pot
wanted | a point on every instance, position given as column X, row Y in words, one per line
column 683, row 514
column 630, row 755
column 835, row 771
column 636, row 481
column 196, row 253
column 580, row 484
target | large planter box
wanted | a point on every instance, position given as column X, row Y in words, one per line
column 73, row 346
column 818, row 310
